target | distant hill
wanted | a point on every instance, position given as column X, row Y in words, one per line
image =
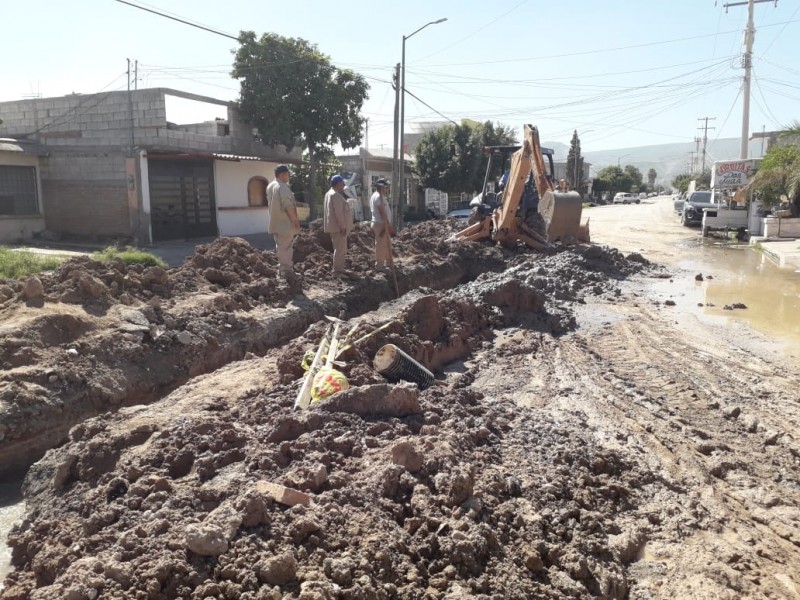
column 669, row 160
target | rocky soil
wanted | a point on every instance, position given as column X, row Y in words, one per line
column 579, row 445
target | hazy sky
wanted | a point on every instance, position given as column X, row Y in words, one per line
column 622, row 72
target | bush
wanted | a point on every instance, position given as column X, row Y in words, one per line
column 130, row 256
column 16, row 264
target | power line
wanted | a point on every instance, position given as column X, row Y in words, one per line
column 433, row 109
column 179, row 20
column 615, row 49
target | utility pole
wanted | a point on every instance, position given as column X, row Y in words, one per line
column 130, row 106
column 366, row 133
column 747, row 63
column 705, row 129
column 691, row 162
column 396, row 156
column 697, row 140
column 136, row 74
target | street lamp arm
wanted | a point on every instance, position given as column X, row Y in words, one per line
column 405, row 37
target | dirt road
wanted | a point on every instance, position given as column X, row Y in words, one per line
column 590, row 441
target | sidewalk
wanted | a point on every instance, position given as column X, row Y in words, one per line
column 785, row 253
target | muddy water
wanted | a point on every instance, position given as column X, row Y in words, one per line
column 739, row 275
column 11, row 509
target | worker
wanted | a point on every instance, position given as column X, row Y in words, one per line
column 381, row 224
column 337, row 222
column 283, row 222
column 563, row 185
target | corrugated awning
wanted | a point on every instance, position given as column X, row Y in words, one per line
column 22, row 146
column 208, row 155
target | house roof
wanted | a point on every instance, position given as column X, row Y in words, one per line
column 212, row 155
column 22, row 146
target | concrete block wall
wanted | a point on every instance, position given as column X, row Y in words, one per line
column 85, row 193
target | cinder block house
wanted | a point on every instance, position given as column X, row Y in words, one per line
column 111, row 166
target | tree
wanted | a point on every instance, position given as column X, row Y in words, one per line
column 651, row 179
column 702, row 180
column 327, row 166
column 575, row 171
column 451, row 158
column 293, row 95
column 636, row 176
column 613, row 179
column 779, row 174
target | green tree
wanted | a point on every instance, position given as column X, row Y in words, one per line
column 451, row 158
column 636, row 176
column 613, row 179
column 574, row 164
column 702, row 180
column 651, row 179
column 779, row 174
column 293, row 95
column 327, row 166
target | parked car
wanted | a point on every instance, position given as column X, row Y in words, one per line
column 626, row 198
column 695, row 204
column 462, row 214
column 678, row 201
column 642, row 196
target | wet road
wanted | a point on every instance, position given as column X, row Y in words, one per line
column 739, row 273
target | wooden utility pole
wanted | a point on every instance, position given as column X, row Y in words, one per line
column 747, row 63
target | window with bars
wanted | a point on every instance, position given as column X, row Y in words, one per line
column 18, row 194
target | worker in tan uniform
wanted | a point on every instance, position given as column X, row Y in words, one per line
column 381, row 224
column 283, row 222
column 337, row 222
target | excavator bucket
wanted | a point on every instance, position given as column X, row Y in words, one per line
column 561, row 212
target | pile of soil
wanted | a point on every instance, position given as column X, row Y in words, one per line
column 440, row 493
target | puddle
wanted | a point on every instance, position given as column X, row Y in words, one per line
column 740, row 275
column 11, row 510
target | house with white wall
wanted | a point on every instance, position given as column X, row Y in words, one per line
column 115, row 168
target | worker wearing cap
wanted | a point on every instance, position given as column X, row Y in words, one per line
column 381, row 224
column 337, row 221
column 283, row 222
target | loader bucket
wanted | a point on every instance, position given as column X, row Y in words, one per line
column 561, row 212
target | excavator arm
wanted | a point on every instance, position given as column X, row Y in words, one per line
column 561, row 212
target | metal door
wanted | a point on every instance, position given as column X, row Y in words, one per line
column 182, row 204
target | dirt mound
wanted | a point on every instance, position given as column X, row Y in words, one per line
column 412, row 507
column 173, row 499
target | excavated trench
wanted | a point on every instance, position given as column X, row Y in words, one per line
column 112, row 351
column 163, row 500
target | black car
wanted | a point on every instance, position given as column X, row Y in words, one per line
column 693, row 207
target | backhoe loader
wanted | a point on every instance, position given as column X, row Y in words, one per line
column 547, row 216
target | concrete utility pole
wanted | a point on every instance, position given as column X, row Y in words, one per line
column 691, row 162
column 747, row 63
column 705, row 129
column 130, row 106
column 396, row 155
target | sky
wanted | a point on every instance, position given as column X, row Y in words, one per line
column 623, row 73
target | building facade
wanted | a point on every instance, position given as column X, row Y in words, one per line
column 115, row 168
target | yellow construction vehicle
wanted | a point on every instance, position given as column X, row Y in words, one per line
column 548, row 217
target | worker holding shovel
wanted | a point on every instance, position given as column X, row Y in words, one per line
column 381, row 225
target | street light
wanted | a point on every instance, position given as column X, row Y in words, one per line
column 621, row 157
column 401, row 175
